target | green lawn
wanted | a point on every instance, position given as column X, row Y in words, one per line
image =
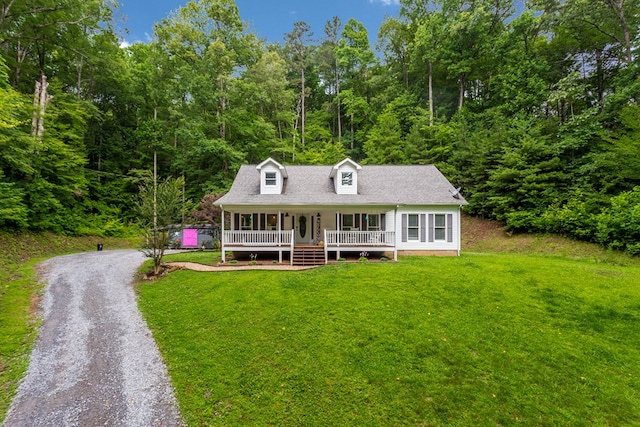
column 483, row 339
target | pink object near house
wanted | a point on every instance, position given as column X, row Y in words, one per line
column 189, row 237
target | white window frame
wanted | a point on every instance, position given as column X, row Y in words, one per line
column 270, row 179
column 246, row 221
column 351, row 220
column 347, row 179
column 377, row 226
column 415, row 227
column 440, row 230
column 271, row 221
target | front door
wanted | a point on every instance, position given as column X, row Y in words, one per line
column 303, row 229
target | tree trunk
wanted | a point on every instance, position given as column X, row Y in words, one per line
column 618, row 7
column 338, row 103
column 600, row 79
column 303, row 95
column 223, row 107
column 40, row 101
column 405, row 72
column 463, row 78
column 430, row 93
column 79, row 68
column 352, row 135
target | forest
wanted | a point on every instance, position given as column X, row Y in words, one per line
column 532, row 111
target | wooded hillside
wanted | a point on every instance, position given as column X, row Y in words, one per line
column 533, row 112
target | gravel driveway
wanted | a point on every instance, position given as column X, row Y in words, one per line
column 95, row 361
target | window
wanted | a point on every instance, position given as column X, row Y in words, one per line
column 270, row 178
column 347, row 222
column 347, row 178
column 440, row 227
column 246, row 222
column 272, row 221
column 373, row 222
column 413, row 227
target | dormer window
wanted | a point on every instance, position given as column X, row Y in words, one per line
column 270, row 178
column 347, row 178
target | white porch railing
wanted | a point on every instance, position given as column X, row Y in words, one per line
column 360, row 238
column 257, row 238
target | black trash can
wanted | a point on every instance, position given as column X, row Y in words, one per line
column 99, row 247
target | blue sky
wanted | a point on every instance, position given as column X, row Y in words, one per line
column 269, row 19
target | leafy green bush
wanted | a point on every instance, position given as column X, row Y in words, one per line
column 13, row 212
column 619, row 225
column 577, row 218
column 525, row 221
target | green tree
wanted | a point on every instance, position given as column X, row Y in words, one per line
column 329, row 68
column 384, row 144
column 297, row 46
column 160, row 205
column 395, row 40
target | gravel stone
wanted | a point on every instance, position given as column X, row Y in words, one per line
column 95, row 362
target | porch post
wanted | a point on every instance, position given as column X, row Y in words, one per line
column 222, row 235
column 293, row 241
column 395, row 237
column 338, row 228
column 326, row 252
column 279, row 237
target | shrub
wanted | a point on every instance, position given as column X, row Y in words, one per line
column 619, row 225
column 576, row 218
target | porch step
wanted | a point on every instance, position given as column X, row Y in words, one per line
column 308, row 255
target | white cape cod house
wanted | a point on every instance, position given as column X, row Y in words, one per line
column 314, row 213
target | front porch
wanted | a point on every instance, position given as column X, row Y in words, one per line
column 355, row 241
column 284, row 242
column 286, row 233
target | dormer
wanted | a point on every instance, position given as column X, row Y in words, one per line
column 345, row 177
column 272, row 176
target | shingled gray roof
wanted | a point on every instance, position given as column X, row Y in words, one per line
column 377, row 185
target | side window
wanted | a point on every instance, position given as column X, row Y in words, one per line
column 413, row 227
column 440, row 227
column 272, row 221
column 246, row 222
column 347, row 222
column 373, row 222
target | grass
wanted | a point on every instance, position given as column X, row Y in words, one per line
column 20, row 293
column 483, row 339
column 201, row 257
column 364, row 344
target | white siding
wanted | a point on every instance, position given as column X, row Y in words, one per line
column 270, row 189
column 423, row 214
column 337, row 180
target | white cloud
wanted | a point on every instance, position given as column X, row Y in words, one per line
column 386, row 2
column 124, row 43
